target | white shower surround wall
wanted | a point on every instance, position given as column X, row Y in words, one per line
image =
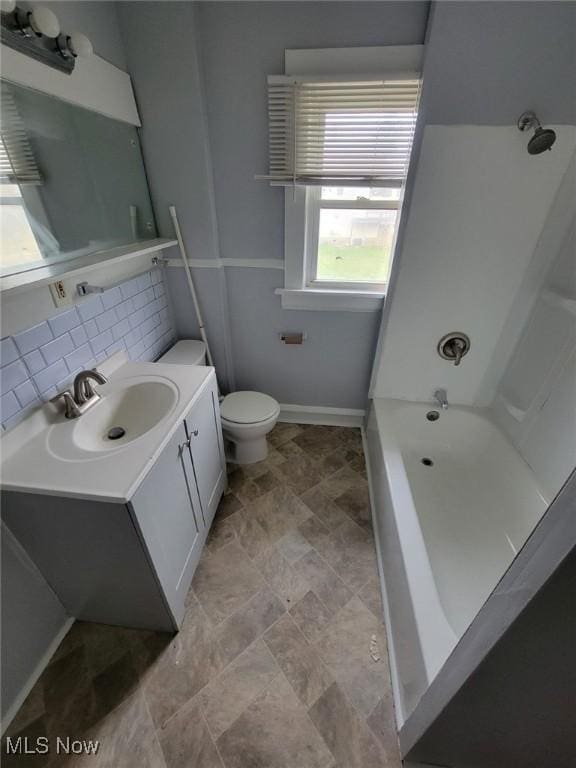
column 445, row 533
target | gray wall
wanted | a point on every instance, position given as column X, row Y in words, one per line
column 490, row 61
column 200, row 78
column 517, row 709
column 32, row 617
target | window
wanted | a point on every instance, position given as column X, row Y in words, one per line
column 351, row 236
column 341, row 145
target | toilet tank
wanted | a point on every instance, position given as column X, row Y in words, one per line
column 185, row 352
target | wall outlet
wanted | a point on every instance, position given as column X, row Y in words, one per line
column 60, row 295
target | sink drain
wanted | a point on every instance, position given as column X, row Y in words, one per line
column 115, row 433
column 427, row 462
column 432, row 415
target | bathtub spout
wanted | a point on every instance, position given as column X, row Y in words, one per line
column 441, row 398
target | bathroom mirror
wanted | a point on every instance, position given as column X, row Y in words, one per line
column 72, row 182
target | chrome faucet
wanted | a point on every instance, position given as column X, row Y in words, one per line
column 84, row 396
column 83, row 390
column 441, row 397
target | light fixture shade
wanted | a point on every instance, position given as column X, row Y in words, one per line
column 44, row 21
column 80, row 45
column 7, row 6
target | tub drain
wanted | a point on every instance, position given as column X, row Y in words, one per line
column 427, row 462
column 115, row 433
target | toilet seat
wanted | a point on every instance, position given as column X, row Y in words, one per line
column 248, row 408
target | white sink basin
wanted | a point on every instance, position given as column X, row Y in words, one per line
column 129, row 409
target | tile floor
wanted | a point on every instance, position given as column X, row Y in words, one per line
column 272, row 667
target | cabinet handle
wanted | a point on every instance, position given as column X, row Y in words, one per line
column 185, row 445
column 195, row 433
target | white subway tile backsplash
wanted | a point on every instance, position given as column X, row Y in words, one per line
column 43, row 360
column 79, row 335
column 106, row 320
column 12, row 375
column 9, row 406
column 50, row 376
column 118, row 346
column 121, row 329
column 144, row 281
column 137, row 318
column 34, row 361
column 8, row 351
column 79, row 357
column 33, row 338
column 100, row 342
column 64, row 322
column 56, row 349
column 111, row 297
column 129, row 289
column 91, row 329
column 90, row 308
column 143, row 298
column 124, row 309
column 26, row 394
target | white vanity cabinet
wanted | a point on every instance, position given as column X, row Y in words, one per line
column 130, row 562
column 175, row 504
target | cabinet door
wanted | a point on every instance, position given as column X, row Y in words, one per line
column 206, row 448
column 167, row 511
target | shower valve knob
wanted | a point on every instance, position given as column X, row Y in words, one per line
column 453, row 347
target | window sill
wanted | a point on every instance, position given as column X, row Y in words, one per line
column 325, row 300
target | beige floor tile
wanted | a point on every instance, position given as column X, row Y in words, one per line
column 382, row 722
column 343, row 480
column 226, row 697
column 298, row 659
column 324, row 581
column 355, row 502
column 285, row 580
column 224, row 581
column 311, row 616
column 345, row 732
column 127, row 738
column 253, row 539
column 345, row 648
column 371, row 596
column 239, row 631
column 274, row 732
column 293, row 545
column 320, row 503
column 189, row 663
column 279, row 511
column 350, row 551
column 314, row 531
column 186, row 741
column 283, row 432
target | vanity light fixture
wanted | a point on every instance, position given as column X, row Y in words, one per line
column 37, row 33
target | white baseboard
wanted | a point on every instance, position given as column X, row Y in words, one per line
column 34, row 677
column 315, row 414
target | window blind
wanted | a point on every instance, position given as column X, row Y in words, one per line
column 17, row 161
column 358, row 132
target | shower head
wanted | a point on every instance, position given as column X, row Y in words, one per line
column 543, row 138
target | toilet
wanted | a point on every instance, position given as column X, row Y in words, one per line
column 247, row 417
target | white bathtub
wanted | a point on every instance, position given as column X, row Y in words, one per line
column 447, row 528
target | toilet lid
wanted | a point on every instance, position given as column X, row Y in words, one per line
column 248, row 407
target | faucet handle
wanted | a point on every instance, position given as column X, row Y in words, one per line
column 71, row 407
